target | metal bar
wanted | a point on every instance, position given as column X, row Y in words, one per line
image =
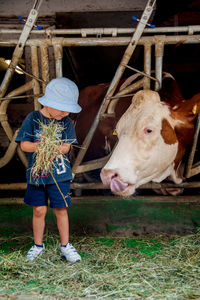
column 120, row 70
column 191, row 29
column 159, row 50
column 58, row 54
column 189, row 170
column 147, row 65
column 37, row 4
column 142, row 73
column 10, row 151
column 92, row 164
column 151, row 185
column 4, row 119
column 194, row 171
column 35, row 71
column 44, row 64
column 99, row 185
column 20, row 97
column 13, row 186
column 17, row 54
column 4, row 104
column 106, row 41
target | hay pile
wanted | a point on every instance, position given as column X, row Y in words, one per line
column 157, row 267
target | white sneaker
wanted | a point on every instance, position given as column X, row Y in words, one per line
column 70, row 253
column 34, row 252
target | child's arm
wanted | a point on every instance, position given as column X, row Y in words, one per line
column 27, row 146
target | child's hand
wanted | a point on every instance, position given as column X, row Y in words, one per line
column 64, row 148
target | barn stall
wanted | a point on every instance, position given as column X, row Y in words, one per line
column 84, row 55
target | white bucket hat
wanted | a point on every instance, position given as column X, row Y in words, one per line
column 61, row 93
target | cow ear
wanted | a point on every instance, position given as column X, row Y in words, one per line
column 167, row 132
column 170, row 91
column 187, row 110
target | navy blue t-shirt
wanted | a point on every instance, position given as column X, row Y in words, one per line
column 30, row 130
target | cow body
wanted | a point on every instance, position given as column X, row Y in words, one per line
column 103, row 141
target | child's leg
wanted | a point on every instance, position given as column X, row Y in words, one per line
column 39, row 213
column 63, row 224
column 67, row 250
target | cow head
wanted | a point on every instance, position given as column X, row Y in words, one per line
column 148, row 145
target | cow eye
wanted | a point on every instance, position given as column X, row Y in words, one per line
column 148, row 130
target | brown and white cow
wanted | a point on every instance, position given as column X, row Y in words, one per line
column 152, row 139
column 153, row 132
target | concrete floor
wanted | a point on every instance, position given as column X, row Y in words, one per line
column 112, row 215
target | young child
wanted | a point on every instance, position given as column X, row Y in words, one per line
column 60, row 98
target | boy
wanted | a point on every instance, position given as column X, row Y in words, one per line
column 60, row 98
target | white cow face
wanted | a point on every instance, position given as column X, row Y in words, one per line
column 146, row 148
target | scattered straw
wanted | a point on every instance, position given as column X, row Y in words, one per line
column 156, row 267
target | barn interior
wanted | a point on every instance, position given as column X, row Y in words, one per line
column 90, row 65
column 142, row 247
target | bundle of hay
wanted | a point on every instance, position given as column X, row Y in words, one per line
column 48, row 148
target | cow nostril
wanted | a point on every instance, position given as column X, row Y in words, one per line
column 115, row 175
column 108, row 175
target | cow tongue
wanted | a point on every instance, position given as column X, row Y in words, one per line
column 117, row 185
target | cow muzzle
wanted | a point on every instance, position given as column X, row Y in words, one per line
column 112, row 179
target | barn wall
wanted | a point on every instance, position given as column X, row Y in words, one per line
column 49, row 7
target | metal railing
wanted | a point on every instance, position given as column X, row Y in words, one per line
column 157, row 38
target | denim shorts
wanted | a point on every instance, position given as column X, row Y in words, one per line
column 38, row 195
